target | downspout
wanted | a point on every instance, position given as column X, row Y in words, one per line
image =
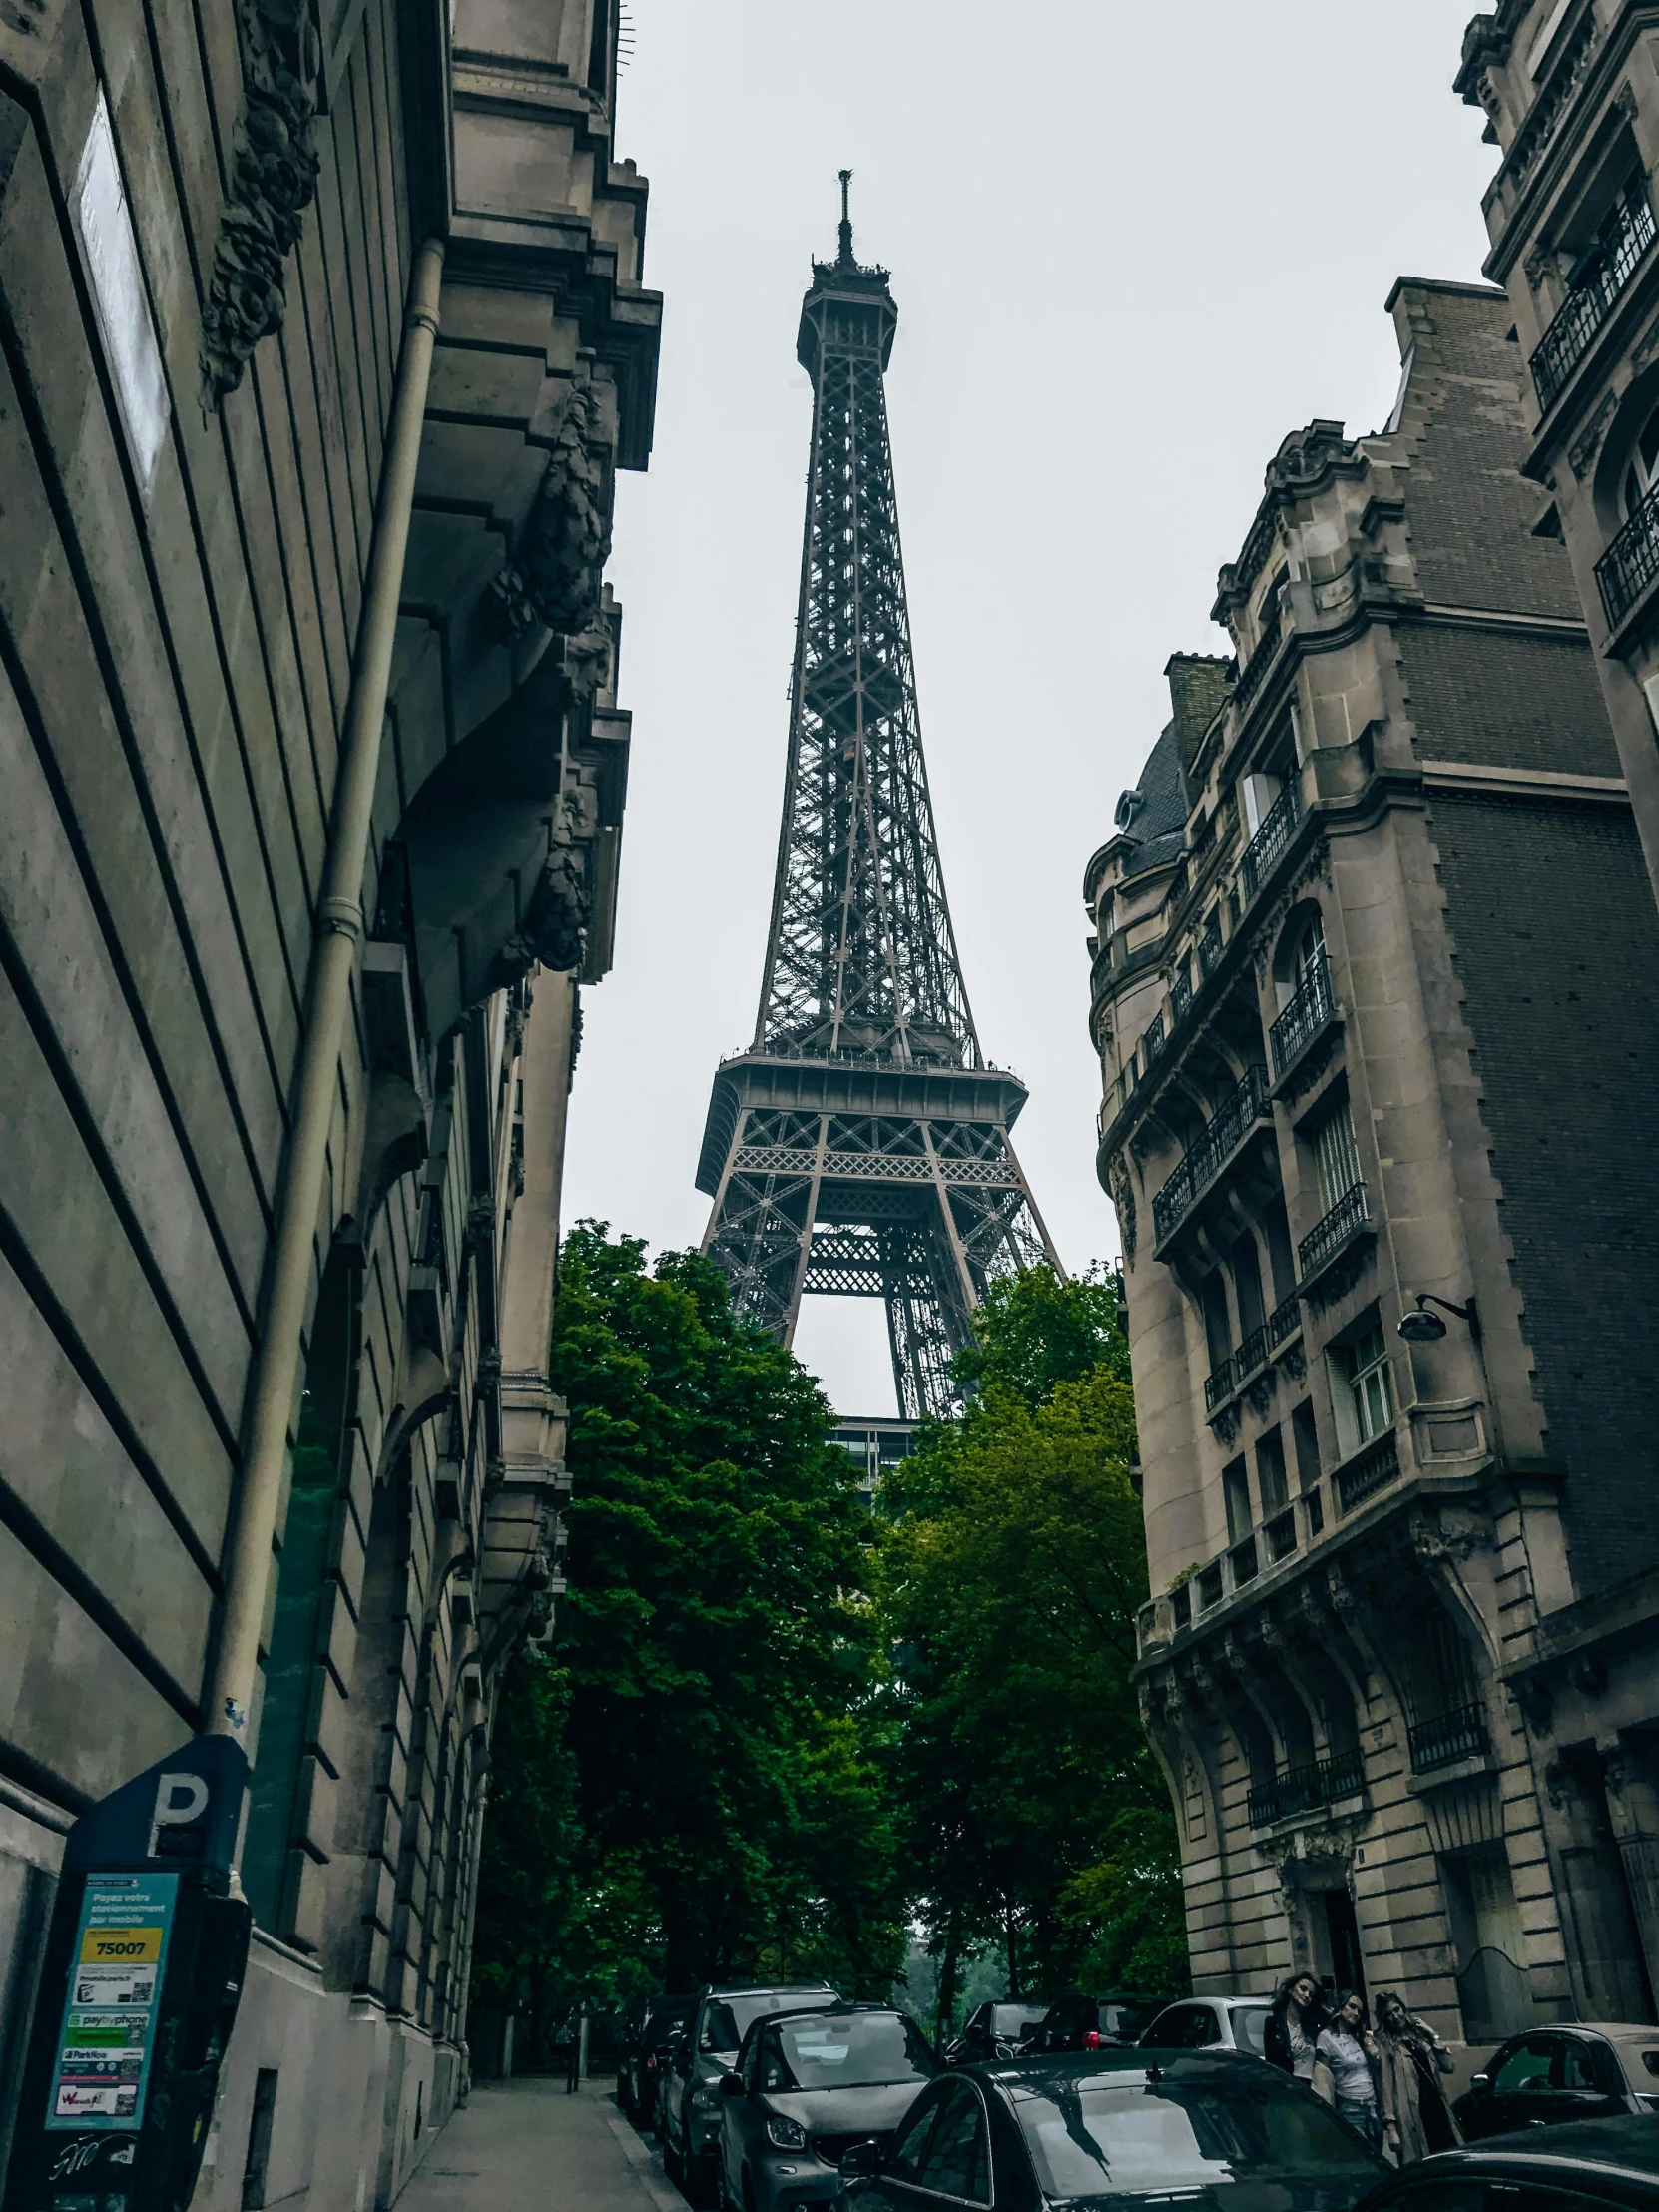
column 340, row 920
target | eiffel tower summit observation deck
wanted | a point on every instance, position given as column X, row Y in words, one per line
column 860, row 1146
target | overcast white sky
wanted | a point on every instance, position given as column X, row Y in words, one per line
column 1132, row 246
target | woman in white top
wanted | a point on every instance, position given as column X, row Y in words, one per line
column 1346, row 2050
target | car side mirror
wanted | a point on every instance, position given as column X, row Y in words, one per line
column 859, row 2161
column 732, row 2085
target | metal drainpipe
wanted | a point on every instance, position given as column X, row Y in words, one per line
column 341, row 924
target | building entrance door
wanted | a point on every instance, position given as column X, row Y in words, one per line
column 1343, row 1935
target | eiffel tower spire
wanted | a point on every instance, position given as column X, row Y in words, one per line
column 861, row 1144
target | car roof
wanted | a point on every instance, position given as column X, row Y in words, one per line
column 1224, row 2001
column 1072, row 2068
column 1627, row 2030
column 763, row 1988
column 1627, row 2143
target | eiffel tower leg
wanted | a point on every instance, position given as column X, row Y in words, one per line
column 760, row 1225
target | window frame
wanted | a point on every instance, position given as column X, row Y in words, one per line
column 952, row 2090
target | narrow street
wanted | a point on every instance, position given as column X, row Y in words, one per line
column 526, row 2142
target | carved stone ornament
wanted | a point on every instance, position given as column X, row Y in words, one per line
column 480, row 1222
column 1226, row 1426
column 1293, row 1361
column 1259, row 1396
column 1340, row 1278
column 1123, row 1199
column 274, row 173
column 561, row 557
column 554, row 927
column 1534, row 1701
column 1582, row 453
column 1540, row 263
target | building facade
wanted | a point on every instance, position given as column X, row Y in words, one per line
column 323, row 333
column 1372, row 987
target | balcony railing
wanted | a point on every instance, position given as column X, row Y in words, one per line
column 1304, row 1788
column 1303, row 1017
column 1278, row 1534
column 1205, row 1158
column 1271, row 839
column 1244, row 1563
column 1152, row 1040
column 1180, row 997
column 1209, row 1586
column 1632, row 562
column 1328, row 1235
column 1253, row 1352
column 1284, row 1321
column 1459, row 1733
column 1210, row 945
column 1623, row 244
column 1221, row 1382
column 1371, row 1469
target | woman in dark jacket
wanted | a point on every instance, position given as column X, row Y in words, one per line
column 1294, row 2026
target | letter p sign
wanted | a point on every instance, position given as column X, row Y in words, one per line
column 179, row 1799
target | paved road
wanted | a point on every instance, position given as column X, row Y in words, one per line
column 525, row 2143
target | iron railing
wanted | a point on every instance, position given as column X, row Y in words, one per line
column 1208, row 1154
column 1180, row 997
column 1280, row 1534
column 1221, row 1382
column 1328, row 1235
column 1284, row 1320
column 1459, row 1733
column 1262, row 1806
column 1632, row 562
column 1209, row 1586
column 1244, row 1563
column 1210, row 945
column 1271, row 839
column 1371, row 1469
column 1303, row 1017
column 1342, row 1775
column 1620, row 249
column 1253, row 1352
column 1304, row 1788
column 1152, row 1039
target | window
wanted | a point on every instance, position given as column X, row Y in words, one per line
column 1305, row 1433
column 1643, row 471
column 1235, row 1491
column 1337, row 1156
column 1270, row 1473
column 1527, row 2067
column 906, row 2163
column 1362, row 1393
column 957, row 2160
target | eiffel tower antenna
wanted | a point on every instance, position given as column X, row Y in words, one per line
column 860, row 1146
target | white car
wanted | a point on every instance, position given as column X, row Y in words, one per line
column 1211, row 2023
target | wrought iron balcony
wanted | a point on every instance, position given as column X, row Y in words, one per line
column 1328, row 1234
column 1284, row 1321
column 1369, row 1469
column 1262, row 1806
column 1244, row 1563
column 1209, row 1586
column 1459, row 1733
column 1221, row 1382
column 1210, row 945
column 1342, row 1775
column 1152, row 1039
column 1253, row 1352
column 1632, row 562
column 1205, row 1158
column 1180, row 997
column 1278, row 1534
column 1303, row 1017
column 1620, row 251
column 1304, row 1788
column 1271, row 839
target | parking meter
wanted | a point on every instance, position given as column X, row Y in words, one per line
column 144, row 1969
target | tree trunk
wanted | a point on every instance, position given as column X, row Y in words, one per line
column 948, row 1987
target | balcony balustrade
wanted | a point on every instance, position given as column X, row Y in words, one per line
column 1253, row 1352
column 1304, row 1788
column 1203, row 1159
column 1278, row 1534
column 1244, row 1562
column 1209, row 1586
column 1271, row 839
column 1180, row 997
column 1303, row 1017
column 1284, row 1321
column 1457, row 1733
column 1368, row 1470
column 1328, row 1235
column 1620, row 251
column 1342, row 1775
column 1210, row 946
column 1152, row 1040
column 1632, row 562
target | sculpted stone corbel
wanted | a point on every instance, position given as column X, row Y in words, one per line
column 273, row 172
column 1123, row 1199
column 557, row 574
column 554, row 928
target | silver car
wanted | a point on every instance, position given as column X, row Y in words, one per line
column 808, row 2087
column 1211, row 2023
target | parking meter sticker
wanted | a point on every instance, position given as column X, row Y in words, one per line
column 104, row 2046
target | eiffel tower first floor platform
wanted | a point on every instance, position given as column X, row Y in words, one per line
column 868, row 1179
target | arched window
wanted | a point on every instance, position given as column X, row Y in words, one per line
column 1309, row 951
column 1643, row 470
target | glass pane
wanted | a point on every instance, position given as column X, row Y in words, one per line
column 956, row 2162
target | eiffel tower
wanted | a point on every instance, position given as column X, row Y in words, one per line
column 861, row 1145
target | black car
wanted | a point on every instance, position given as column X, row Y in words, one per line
column 1593, row 2166
column 997, row 2031
column 806, row 2086
column 1070, row 2024
column 1589, row 2071
column 1221, row 2132
column 691, row 2098
column 646, row 2037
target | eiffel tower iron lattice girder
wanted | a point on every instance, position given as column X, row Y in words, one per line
column 860, row 1146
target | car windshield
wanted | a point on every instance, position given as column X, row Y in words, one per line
column 1128, row 2021
column 728, row 2020
column 846, row 2051
column 1192, row 2130
column 663, row 2028
column 1016, row 2020
column 1249, row 2028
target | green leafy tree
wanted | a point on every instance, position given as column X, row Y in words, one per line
column 1011, row 1572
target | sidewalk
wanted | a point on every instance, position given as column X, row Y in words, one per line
column 526, row 2142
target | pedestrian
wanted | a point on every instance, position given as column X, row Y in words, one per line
column 1416, row 2118
column 1347, row 2052
column 1294, row 2026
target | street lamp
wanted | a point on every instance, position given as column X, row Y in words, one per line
column 1424, row 1327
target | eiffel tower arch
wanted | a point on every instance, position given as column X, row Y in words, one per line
column 860, row 1147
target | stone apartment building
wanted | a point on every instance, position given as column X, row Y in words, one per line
column 323, row 334
column 1374, row 988
column 1570, row 90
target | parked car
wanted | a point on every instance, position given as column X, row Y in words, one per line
column 805, row 2088
column 997, row 2030
column 647, row 2037
column 1070, row 2023
column 1128, row 2124
column 1211, row 2023
column 1587, row 2071
column 690, row 2101
column 1590, row 2166
column 666, row 2082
